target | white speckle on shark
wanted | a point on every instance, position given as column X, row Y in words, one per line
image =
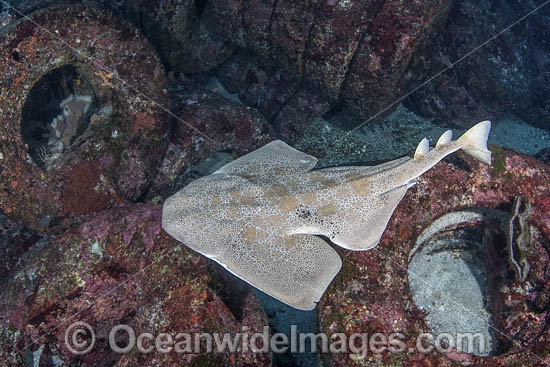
column 259, row 216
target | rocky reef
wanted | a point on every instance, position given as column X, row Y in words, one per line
column 108, row 107
column 116, row 267
column 84, row 113
column 59, row 159
column 510, row 72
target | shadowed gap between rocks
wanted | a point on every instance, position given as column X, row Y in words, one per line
column 56, row 113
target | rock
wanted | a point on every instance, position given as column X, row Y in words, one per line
column 368, row 56
column 288, row 104
column 544, row 155
column 351, row 52
column 16, row 9
column 505, row 76
column 116, row 268
column 14, row 242
column 180, row 30
column 207, row 123
column 303, row 108
column 259, row 83
column 83, row 120
column 372, row 292
column 335, row 35
column 377, row 72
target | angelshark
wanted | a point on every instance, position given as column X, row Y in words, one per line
column 261, row 215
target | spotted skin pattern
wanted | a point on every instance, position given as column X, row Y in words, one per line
column 260, row 215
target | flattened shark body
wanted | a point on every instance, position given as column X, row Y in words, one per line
column 260, row 215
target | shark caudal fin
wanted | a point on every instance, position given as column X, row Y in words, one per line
column 475, row 141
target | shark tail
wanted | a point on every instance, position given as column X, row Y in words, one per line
column 475, row 141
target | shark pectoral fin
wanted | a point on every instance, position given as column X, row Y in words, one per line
column 272, row 157
column 366, row 231
column 297, row 272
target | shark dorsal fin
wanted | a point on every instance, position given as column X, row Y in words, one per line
column 422, row 148
column 444, row 139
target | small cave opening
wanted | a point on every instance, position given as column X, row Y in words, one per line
column 56, row 113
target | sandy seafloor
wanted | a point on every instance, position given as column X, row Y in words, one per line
column 400, row 133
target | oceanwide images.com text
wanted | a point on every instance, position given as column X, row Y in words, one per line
column 80, row 338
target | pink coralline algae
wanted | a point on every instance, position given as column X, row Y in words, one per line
column 50, row 169
column 118, row 267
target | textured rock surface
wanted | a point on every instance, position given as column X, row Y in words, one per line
column 259, row 83
column 287, row 103
column 117, row 267
column 510, row 71
column 544, row 155
column 366, row 55
column 207, row 123
column 355, row 52
column 14, row 242
column 180, row 31
column 363, row 54
column 108, row 155
column 371, row 294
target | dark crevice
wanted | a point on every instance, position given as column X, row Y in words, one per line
column 271, row 20
column 366, row 31
column 200, row 6
column 352, row 61
column 333, row 111
column 56, row 112
column 283, row 104
column 232, row 290
column 310, row 32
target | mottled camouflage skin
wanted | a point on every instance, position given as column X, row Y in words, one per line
column 258, row 215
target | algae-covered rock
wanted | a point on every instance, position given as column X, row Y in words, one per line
column 116, row 268
column 82, row 112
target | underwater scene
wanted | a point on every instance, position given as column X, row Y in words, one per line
column 309, row 183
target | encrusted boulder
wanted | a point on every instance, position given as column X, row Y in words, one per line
column 82, row 114
column 207, row 123
column 15, row 240
column 116, row 268
column 349, row 52
column 288, row 103
column 180, row 30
